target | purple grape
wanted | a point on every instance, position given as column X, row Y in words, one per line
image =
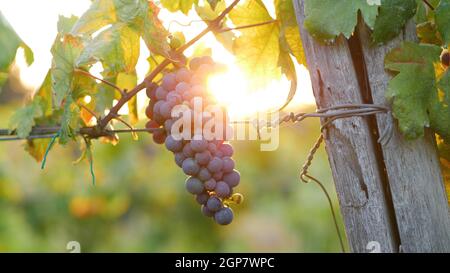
column 214, row 204
column 203, row 158
column 232, row 179
column 188, row 95
column 207, row 212
column 157, row 107
column 168, row 125
column 194, row 186
column 226, row 149
column 183, row 75
column 210, row 185
column 224, row 216
column 218, row 176
column 215, row 165
column 202, row 198
column 151, row 91
column 197, row 90
column 204, row 174
column 166, row 110
column 222, row 189
column 199, row 145
column 183, row 87
column 169, row 82
column 159, row 137
column 174, row 98
column 190, row 167
column 228, row 164
column 161, row 93
column 187, row 150
column 173, row 145
column 212, row 148
column 179, row 158
column 195, row 63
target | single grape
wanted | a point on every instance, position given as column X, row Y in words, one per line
column 194, row 186
column 183, row 75
column 206, row 60
column 204, row 174
column 212, row 148
column 226, row 149
column 169, row 82
column 224, row 216
column 182, row 88
column 188, row 95
column 158, row 118
column 215, row 165
column 228, row 164
column 151, row 91
column 161, row 93
column 168, row 125
column 149, row 111
column 214, row 204
column 203, row 158
column 151, row 124
column 187, row 150
column 199, row 145
column 202, row 198
column 218, row 176
column 173, row 145
column 197, row 90
column 166, row 110
column 445, row 58
column 232, row 179
column 222, row 189
column 195, row 63
column 157, row 107
column 204, row 70
column 190, row 167
column 174, row 98
column 159, row 137
column 210, row 185
column 207, row 212
column 179, row 158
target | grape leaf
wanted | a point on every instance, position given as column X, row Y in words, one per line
column 213, row 3
column 128, row 81
column 178, row 5
column 117, row 47
column 70, row 121
column 413, row 89
column 257, row 49
column 206, row 13
column 36, row 148
column 65, row 24
column 45, row 94
column 65, row 51
column 428, row 33
column 440, row 112
column 326, row 19
column 289, row 32
column 392, row 17
column 443, row 19
column 23, row 119
column 154, row 33
column 99, row 14
column 9, row 43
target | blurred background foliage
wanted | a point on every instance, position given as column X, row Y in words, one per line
column 139, row 203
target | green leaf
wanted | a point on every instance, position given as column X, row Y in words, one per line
column 326, row 19
column 288, row 68
column 392, row 17
column 45, row 95
column 9, row 43
column 70, row 121
column 128, row 81
column 443, row 19
column 23, row 119
column 413, row 90
column 153, row 32
column 117, row 47
column 99, row 14
column 257, row 49
column 289, row 32
column 65, row 51
column 65, row 24
column 428, row 33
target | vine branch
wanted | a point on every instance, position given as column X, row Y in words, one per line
column 213, row 25
column 428, row 4
column 248, row 26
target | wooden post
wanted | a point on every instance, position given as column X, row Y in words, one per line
column 393, row 194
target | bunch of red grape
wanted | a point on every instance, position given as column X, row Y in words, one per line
column 208, row 163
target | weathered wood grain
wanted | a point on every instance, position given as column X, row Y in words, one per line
column 413, row 169
column 350, row 146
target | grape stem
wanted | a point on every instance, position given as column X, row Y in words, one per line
column 212, row 26
column 122, row 92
